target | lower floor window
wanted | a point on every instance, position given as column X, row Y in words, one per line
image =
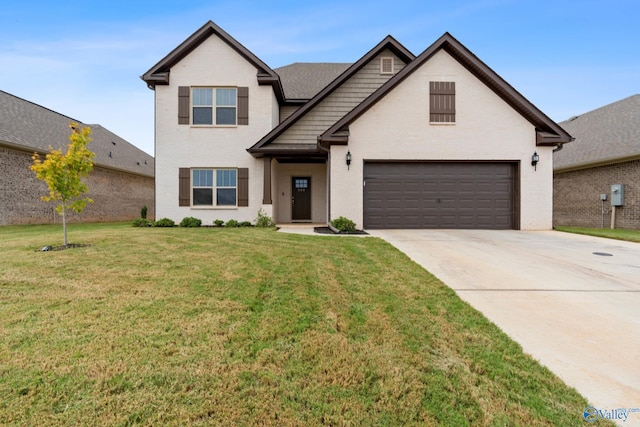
column 214, row 187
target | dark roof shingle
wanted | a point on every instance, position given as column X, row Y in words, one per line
column 303, row 80
column 605, row 135
column 28, row 126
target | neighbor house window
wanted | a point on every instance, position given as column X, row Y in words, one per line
column 214, row 106
column 214, row 187
column 442, row 102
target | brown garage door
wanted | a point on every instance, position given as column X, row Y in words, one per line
column 439, row 195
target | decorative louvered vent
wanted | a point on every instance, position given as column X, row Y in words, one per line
column 386, row 65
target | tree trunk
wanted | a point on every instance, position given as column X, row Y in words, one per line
column 64, row 224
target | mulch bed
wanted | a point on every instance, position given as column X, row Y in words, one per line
column 327, row 230
column 61, row 247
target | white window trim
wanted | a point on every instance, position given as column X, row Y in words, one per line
column 214, row 106
column 213, row 188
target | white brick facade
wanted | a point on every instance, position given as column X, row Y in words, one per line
column 486, row 128
column 373, row 115
column 212, row 63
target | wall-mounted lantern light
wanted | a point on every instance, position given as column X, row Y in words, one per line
column 534, row 160
column 348, row 159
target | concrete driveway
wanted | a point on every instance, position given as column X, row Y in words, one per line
column 571, row 301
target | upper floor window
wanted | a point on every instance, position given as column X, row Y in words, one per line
column 214, row 106
column 209, row 106
column 442, row 102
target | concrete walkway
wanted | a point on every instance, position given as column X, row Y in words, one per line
column 308, row 230
column 305, row 228
column 571, row 301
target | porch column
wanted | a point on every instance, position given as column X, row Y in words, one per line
column 266, row 182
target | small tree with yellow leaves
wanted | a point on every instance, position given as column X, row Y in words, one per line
column 63, row 173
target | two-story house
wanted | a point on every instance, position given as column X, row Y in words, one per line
column 390, row 141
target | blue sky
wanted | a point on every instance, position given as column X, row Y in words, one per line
column 84, row 58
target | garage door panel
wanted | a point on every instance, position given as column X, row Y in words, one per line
column 439, row 195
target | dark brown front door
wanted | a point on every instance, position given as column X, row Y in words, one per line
column 301, row 198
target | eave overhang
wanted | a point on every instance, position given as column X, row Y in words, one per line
column 548, row 132
column 292, row 151
column 159, row 74
column 42, row 152
column 340, row 137
column 594, row 164
column 549, row 139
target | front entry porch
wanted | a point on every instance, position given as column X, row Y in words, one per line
column 298, row 190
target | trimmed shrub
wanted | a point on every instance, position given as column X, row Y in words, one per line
column 141, row 222
column 344, row 224
column 143, row 212
column 232, row 223
column 164, row 222
column 264, row 220
column 218, row 222
column 190, row 221
column 245, row 224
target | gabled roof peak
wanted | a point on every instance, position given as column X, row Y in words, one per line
column 549, row 132
column 258, row 149
column 159, row 74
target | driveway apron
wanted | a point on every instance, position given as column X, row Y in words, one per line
column 571, row 301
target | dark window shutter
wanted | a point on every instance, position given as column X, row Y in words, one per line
column 184, row 191
column 243, row 186
column 184, row 104
column 243, row 106
column 442, row 102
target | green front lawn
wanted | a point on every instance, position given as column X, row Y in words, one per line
column 616, row 233
column 210, row 326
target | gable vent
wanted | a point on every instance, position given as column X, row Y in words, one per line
column 386, row 65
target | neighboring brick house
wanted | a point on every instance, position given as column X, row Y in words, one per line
column 121, row 182
column 394, row 140
column 606, row 152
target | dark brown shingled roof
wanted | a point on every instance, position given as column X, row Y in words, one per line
column 605, row 135
column 30, row 127
column 303, row 80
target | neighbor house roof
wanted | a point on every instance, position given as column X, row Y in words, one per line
column 30, row 127
column 303, row 80
column 159, row 74
column 549, row 133
column 266, row 146
column 606, row 135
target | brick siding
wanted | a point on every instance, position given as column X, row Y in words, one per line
column 118, row 196
column 576, row 196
